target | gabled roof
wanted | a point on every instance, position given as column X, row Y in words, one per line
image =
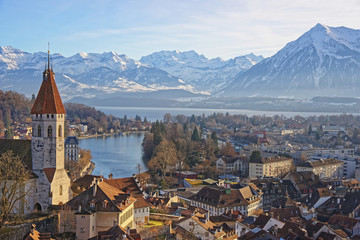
column 219, row 197
column 48, row 99
column 125, row 184
column 49, row 172
column 343, row 221
column 106, row 199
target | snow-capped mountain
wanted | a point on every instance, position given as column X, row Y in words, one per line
column 325, row 61
column 94, row 74
column 83, row 74
column 199, row 71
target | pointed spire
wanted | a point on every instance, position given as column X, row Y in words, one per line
column 49, row 55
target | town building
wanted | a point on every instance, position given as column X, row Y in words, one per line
column 233, row 165
column 272, row 188
column 99, row 208
column 325, row 168
column 219, row 200
column 270, row 166
column 72, row 150
column 201, row 227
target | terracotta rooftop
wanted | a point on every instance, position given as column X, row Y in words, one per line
column 48, row 99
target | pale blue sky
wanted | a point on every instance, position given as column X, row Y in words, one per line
column 224, row 28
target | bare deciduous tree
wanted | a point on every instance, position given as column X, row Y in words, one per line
column 13, row 176
column 164, row 157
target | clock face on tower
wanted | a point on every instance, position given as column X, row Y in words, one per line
column 38, row 145
column 60, row 144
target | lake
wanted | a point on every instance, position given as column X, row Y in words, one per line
column 153, row 114
column 118, row 155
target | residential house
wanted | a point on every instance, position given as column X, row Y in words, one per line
column 350, row 225
column 303, row 182
column 270, row 166
column 72, row 150
column 325, row 168
column 200, row 226
column 99, row 208
column 272, row 189
column 219, row 200
column 233, row 165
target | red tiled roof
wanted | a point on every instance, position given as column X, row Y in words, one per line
column 49, row 172
column 48, row 99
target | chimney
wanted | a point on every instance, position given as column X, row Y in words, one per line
column 33, row 226
column 79, row 208
column 276, row 229
column 95, row 188
column 110, row 176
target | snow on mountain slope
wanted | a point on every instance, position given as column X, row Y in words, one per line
column 22, row 71
column 199, row 71
column 324, row 61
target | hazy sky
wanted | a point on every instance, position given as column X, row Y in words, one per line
column 224, row 28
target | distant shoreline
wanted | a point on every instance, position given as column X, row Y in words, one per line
column 109, row 134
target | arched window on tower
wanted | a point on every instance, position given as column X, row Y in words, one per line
column 49, row 131
column 60, row 130
column 39, row 131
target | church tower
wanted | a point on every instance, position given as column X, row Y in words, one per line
column 47, row 143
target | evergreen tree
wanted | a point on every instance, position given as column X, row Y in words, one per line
column 310, row 131
column 255, row 156
column 193, row 119
column 214, row 138
column 195, row 135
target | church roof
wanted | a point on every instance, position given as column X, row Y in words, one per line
column 50, row 172
column 48, row 99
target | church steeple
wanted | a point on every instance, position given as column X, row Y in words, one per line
column 48, row 99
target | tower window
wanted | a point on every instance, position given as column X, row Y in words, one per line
column 36, row 115
column 47, row 115
column 39, row 131
column 60, row 130
column 60, row 190
column 49, row 131
column 52, row 115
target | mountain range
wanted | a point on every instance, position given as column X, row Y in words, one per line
column 110, row 74
column 325, row 61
